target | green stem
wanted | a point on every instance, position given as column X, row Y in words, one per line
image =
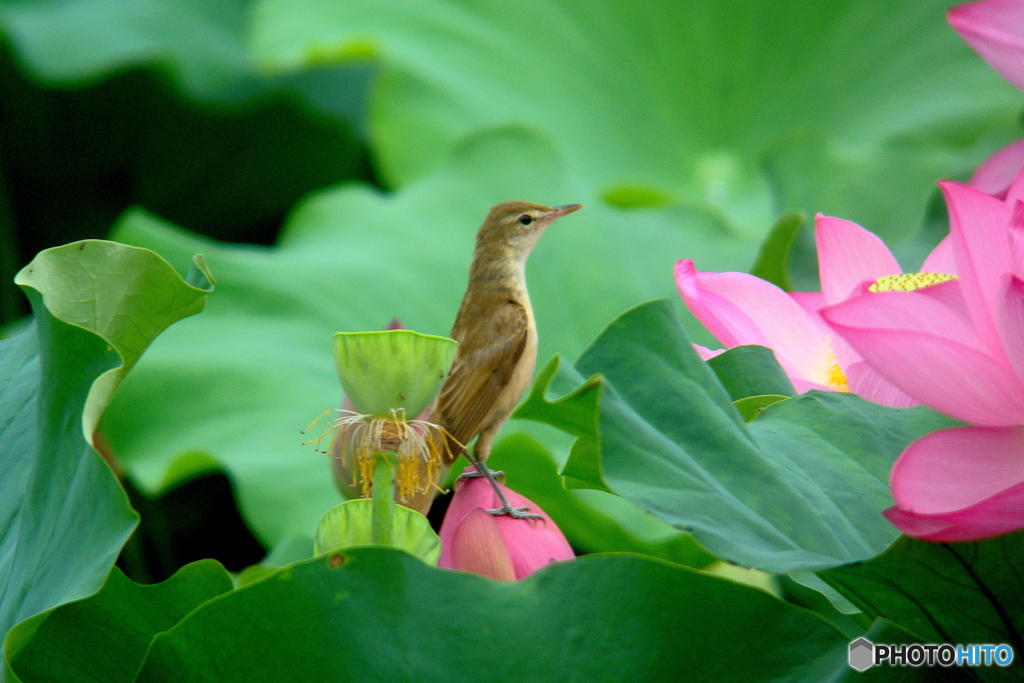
column 383, row 500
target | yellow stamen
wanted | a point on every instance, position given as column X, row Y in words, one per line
column 908, row 282
column 835, row 378
column 323, row 433
column 417, row 444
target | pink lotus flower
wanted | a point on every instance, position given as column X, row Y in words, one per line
column 995, row 29
column 739, row 308
column 500, row 547
column 959, row 348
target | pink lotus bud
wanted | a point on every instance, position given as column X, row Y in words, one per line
column 498, row 546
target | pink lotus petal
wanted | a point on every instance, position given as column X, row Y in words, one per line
column 954, row 468
column 845, row 354
column 978, row 228
column 995, row 29
column 707, row 354
column 1016, row 191
column 997, row 515
column 802, row 386
column 478, row 547
column 915, row 311
column 537, row 548
column 961, row 483
column 867, row 383
column 932, row 353
column 461, row 505
column 948, row 294
column 1017, row 237
column 811, row 302
column 742, row 309
column 997, row 173
column 531, row 544
column 941, row 259
column 925, row 527
column 848, row 255
column 1011, row 324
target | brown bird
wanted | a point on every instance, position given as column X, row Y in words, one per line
column 496, row 333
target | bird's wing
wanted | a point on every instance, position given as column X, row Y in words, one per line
column 482, row 368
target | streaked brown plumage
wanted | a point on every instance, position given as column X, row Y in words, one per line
column 494, row 327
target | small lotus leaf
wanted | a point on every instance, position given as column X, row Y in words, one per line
column 348, row 525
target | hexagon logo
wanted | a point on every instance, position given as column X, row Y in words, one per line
column 862, row 654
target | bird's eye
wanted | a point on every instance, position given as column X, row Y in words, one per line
column 525, row 219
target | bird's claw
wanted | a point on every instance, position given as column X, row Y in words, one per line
column 515, row 513
column 476, row 474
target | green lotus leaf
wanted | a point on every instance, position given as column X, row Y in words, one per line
column 201, row 46
column 742, row 108
column 63, row 515
column 594, row 521
column 378, row 614
column 109, row 632
column 968, row 592
column 752, row 406
column 751, row 370
column 773, row 258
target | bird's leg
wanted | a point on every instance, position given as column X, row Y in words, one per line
column 483, row 448
column 506, row 507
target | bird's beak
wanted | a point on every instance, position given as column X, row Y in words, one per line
column 564, row 209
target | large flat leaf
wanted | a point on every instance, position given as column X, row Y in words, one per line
column 380, row 614
column 946, row 592
column 63, row 516
column 82, row 148
column 852, row 108
column 801, row 487
column 75, row 159
column 92, row 128
column 105, row 637
column 773, row 258
column 351, row 260
column 201, row 45
column 595, row 521
column 749, row 371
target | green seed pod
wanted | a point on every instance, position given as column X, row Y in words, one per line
column 392, row 370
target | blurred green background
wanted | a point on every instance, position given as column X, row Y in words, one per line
column 333, row 159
